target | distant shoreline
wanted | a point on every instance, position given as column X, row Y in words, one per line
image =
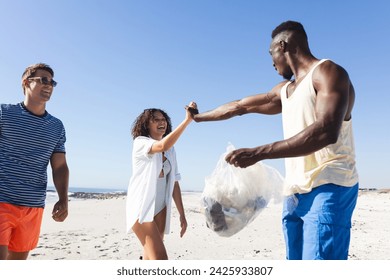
column 382, row 190
column 102, row 194
column 96, row 193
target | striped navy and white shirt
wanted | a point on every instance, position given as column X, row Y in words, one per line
column 27, row 143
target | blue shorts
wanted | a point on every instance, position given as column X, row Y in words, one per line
column 317, row 225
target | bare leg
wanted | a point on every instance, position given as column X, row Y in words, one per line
column 160, row 220
column 150, row 238
column 17, row 255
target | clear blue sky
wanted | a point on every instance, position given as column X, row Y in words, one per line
column 112, row 59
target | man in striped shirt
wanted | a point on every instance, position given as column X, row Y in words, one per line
column 30, row 138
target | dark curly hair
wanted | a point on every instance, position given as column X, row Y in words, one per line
column 140, row 125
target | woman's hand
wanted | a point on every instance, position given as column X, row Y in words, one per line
column 191, row 110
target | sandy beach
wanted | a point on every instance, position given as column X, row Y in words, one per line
column 95, row 230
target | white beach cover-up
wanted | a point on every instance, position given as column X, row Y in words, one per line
column 141, row 191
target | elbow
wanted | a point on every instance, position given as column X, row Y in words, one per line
column 332, row 137
column 329, row 132
column 161, row 147
column 236, row 111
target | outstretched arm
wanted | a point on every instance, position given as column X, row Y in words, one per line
column 333, row 105
column 168, row 141
column 266, row 103
column 60, row 173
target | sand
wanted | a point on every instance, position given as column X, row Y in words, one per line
column 95, row 230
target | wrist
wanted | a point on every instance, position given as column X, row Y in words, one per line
column 187, row 121
column 63, row 199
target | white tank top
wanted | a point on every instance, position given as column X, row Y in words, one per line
column 333, row 164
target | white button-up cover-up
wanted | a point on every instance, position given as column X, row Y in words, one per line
column 141, row 191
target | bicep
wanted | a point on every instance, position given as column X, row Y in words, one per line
column 332, row 87
column 57, row 161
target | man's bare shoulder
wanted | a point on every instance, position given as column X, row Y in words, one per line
column 277, row 89
column 329, row 73
column 329, row 67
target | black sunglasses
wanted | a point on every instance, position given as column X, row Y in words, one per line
column 44, row 81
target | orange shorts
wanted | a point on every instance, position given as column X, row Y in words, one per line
column 19, row 227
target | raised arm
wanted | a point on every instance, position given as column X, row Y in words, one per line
column 168, row 141
column 334, row 102
column 265, row 103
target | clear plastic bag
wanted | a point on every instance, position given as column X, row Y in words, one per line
column 233, row 197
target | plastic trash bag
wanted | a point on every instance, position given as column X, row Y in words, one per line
column 233, row 197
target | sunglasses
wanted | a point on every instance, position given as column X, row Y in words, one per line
column 44, row 81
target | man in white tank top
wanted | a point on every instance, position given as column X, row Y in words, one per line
column 316, row 102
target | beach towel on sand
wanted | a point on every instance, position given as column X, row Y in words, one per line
column 233, row 197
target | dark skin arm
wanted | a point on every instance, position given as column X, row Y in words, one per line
column 266, row 103
column 335, row 98
column 60, row 173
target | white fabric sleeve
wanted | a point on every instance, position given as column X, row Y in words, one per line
column 142, row 146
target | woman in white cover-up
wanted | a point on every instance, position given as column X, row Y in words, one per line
column 154, row 181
